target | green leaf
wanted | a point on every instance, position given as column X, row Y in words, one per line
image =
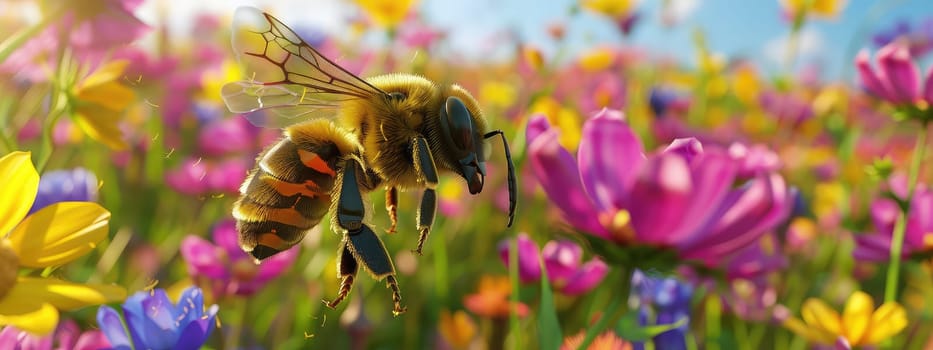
column 630, row 330
column 549, row 334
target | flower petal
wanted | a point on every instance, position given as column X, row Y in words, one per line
column 529, row 267
column 15, row 201
column 712, row 174
column 609, row 157
column 29, row 315
column 101, row 124
column 928, row 86
column 109, row 72
column 888, row 320
column 743, row 217
column 64, row 295
column 856, row 316
column 204, row 258
column 659, row 197
column 561, row 259
column 557, row 172
column 111, row 325
column 59, row 233
column 586, row 277
column 112, row 95
column 903, row 76
column 873, row 81
column 822, row 319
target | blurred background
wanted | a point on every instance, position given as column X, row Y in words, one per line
column 693, row 174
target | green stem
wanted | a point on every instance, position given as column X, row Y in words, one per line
column 900, row 226
column 618, row 306
column 232, row 339
column 713, row 315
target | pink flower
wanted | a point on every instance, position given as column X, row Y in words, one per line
column 227, row 176
column 226, row 136
column 91, row 29
column 897, row 78
column 562, row 261
column 918, row 237
column 188, row 178
column 66, row 336
column 681, row 199
column 225, row 269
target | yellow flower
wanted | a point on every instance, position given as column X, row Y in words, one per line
column 818, row 8
column 746, row 85
column 99, row 101
column 565, row 119
column 55, row 235
column 212, row 81
column 386, row 13
column 830, row 198
column 497, row 94
column 597, row 59
column 457, row 329
column 533, row 57
column 860, row 323
column 612, row 8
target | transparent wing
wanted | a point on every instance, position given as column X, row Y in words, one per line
column 286, row 75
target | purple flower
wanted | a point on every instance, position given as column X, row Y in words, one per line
column 75, row 185
column 680, row 199
column 919, row 40
column 562, row 261
column 897, row 79
column 662, row 301
column 788, row 109
column 188, row 178
column 154, row 322
column 66, row 336
column 226, row 136
column 225, row 268
column 918, row 237
column 227, row 176
column 663, row 101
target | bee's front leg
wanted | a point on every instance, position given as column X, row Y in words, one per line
column 361, row 242
column 424, row 166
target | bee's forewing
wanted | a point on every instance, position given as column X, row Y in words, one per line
column 282, row 70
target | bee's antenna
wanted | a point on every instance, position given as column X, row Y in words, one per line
column 513, row 187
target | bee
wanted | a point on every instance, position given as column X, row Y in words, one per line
column 343, row 137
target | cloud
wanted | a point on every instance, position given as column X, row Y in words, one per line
column 676, row 11
column 810, row 44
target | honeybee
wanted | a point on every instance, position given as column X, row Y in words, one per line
column 343, row 137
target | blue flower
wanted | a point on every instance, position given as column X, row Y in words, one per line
column 75, row 185
column 153, row 322
column 665, row 301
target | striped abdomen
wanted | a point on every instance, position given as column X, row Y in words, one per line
column 289, row 191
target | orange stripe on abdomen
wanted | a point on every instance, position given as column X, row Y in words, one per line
column 313, row 161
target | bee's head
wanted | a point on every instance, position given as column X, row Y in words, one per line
column 465, row 141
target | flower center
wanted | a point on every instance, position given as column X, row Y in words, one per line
column 619, row 226
column 9, row 264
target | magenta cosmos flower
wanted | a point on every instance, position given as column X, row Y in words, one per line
column 897, row 78
column 225, row 269
column 681, row 200
column 563, row 261
column 918, row 238
column 66, row 336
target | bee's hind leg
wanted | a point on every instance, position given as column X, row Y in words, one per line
column 424, row 166
column 361, row 242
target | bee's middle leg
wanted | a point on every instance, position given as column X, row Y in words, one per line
column 361, row 242
column 424, row 166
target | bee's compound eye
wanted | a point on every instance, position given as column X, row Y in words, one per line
column 397, row 96
column 457, row 124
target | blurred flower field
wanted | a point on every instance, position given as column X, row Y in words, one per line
column 699, row 202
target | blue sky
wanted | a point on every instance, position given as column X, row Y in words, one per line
column 752, row 29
